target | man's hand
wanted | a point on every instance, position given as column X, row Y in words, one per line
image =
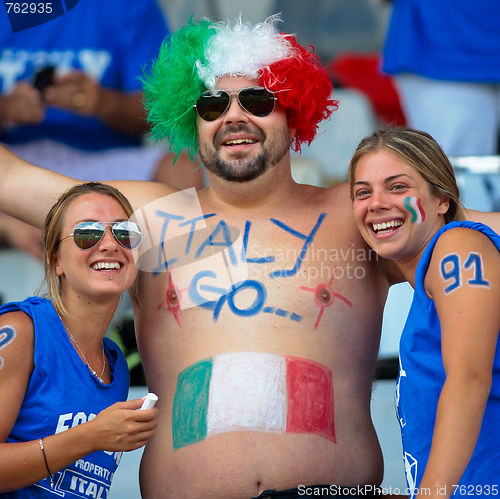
column 75, row 92
column 23, row 106
column 80, row 94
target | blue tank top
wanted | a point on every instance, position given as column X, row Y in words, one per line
column 63, row 393
column 421, row 378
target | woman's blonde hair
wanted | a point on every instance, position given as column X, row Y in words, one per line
column 52, row 233
column 420, row 151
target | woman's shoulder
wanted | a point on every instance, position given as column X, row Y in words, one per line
column 32, row 302
column 16, row 319
column 462, row 256
column 460, row 238
column 17, row 339
column 464, row 235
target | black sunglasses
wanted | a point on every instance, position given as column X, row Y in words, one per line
column 87, row 234
column 255, row 100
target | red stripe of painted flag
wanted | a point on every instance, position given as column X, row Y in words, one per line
column 422, row 212
column 310, row 398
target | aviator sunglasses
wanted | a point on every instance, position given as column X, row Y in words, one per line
column 255, row 100
column 87, row 234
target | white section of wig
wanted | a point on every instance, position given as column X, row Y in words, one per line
column 242, row 50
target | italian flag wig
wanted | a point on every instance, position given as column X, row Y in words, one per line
column 194, row 57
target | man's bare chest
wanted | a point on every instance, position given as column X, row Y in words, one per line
column 292, row 267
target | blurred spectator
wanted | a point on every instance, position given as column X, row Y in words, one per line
column 86, row 119
column 445, row 55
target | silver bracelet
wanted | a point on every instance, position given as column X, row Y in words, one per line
column 47, row 464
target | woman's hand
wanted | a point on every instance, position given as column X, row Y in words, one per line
column 122, row 427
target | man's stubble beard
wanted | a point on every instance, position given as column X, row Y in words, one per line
column 242, row 169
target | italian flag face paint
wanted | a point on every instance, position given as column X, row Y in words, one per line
column 252, row 391
column 414, row 206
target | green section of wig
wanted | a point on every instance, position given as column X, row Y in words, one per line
column 172, row 87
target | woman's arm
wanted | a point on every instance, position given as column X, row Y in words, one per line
column 120, row 427
column 464, row 281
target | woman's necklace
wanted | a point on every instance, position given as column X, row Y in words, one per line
column 89, row 367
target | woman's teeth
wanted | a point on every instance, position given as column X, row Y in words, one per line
column 387, row 226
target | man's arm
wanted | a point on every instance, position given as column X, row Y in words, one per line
column 28, row 192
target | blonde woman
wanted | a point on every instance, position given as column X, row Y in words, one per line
column 63, row 385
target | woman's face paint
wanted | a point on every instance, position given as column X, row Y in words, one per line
column 414, row 206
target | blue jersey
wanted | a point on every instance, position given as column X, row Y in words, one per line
column 110, row 40
column 421, row 379
column 61, row 394
column 454, row 40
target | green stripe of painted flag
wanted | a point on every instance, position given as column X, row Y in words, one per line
column 189, row 413
column 409, row 207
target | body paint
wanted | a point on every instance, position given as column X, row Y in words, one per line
column 475, row 260
column 163, row 262
column 252, row 391
column 324, row 296
column 228, row 297
column 308, row 239
column 414, row 206
column 451, row 270
column 7, row 335
column 225, row 243
column 212, row 267
column 172, row 301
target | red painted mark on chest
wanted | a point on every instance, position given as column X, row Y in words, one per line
column 324, row 296
column 172, row 301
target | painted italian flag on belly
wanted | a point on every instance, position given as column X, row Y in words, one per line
column 252, row 391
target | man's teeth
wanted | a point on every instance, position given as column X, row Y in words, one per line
column 106, row 265
column 240, row 141
column 387, row 225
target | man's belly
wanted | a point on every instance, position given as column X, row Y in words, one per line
column 239, row 422
column 242, row 464
column 268, row 400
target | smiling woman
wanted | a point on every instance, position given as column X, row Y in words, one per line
column 406, row 206
column 63, row 385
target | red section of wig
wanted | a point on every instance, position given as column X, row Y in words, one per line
column 303, row 89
